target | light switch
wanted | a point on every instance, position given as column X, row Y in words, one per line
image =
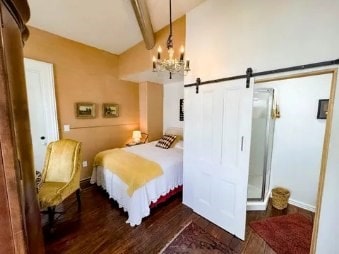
column 67, row 128
column 84, row 164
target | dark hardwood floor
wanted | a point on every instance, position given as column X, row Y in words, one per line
column 100, row 227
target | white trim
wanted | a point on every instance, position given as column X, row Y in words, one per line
column 258, row 205
column 302, row 205
column 53, row 133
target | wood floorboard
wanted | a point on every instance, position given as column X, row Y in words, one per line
column 100, row 227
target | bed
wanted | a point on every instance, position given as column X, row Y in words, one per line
column 138, row 204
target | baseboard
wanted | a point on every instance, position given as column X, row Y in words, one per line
column 302, row 205
column 258, row 205
column 85, row 183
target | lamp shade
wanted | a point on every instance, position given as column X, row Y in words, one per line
column 136, row 136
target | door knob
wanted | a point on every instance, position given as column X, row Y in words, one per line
column 43, row 140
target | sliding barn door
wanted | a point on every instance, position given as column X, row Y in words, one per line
column 217, row 146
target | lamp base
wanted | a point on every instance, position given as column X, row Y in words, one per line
column 136, row 140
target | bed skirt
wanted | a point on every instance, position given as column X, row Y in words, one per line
column 167, row 196
column 138, row 205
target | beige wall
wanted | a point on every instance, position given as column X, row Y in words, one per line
column 143, row 107
column 86, row 74
column 138, row 59
column 151, row 109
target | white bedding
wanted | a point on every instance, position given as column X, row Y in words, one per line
column 137, row 206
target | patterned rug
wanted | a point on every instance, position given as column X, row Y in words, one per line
column 287, row 234
column 194, row 239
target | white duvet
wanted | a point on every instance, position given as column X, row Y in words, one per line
column 137, row 206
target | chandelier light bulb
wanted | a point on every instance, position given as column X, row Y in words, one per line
column 159, row 52
column 182, row 50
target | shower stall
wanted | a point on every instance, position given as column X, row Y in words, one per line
column 261, row 149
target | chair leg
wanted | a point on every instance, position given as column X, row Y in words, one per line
column 51, row 213
column 78, row 199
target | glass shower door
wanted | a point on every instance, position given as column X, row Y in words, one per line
column 261, row 144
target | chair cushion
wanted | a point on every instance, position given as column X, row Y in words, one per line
column 60, row 161
column 49, row 195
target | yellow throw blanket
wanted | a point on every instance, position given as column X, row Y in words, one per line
column 134, row 170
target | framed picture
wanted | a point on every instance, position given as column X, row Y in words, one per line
column 322, row 109
column 84, row 110
column 181, row 110
column 110, row 110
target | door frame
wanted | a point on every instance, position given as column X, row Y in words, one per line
column 328, row 129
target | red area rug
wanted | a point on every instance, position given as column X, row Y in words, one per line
column 194, row 239
column 287, row 234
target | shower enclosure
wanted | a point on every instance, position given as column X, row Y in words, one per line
column 261, row 149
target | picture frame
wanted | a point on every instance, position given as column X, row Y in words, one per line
column 110, row 110
column 181, row 110
column 84, row 110
column 322, row 109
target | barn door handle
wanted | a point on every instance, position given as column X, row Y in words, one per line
column 242, row 143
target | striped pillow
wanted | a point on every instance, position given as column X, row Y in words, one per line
column 166, row 141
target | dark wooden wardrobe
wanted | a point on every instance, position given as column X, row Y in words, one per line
column 20, row 225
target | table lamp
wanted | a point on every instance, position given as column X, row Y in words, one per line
column 136, row 136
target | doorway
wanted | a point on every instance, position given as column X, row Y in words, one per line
column 324, row 146
column 42, row 108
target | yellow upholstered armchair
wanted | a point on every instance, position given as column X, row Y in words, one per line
column 60, row 175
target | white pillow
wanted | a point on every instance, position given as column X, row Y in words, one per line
column 179, row 144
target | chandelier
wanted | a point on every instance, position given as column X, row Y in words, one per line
column 172, row 64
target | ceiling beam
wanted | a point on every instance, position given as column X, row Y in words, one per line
column 144, row 21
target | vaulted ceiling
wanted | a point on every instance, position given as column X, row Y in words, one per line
column 106, row 24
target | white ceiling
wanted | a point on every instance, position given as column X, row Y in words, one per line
column 106, row 24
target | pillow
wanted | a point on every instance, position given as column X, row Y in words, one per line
column 166, row 141
column 179, row 145
column 179, row 138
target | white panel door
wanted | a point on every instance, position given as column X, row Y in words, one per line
column 42, row 108
column 217, row 148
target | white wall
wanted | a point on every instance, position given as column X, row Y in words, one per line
column 173, row 92
column 223, row 38
column 298, row 137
